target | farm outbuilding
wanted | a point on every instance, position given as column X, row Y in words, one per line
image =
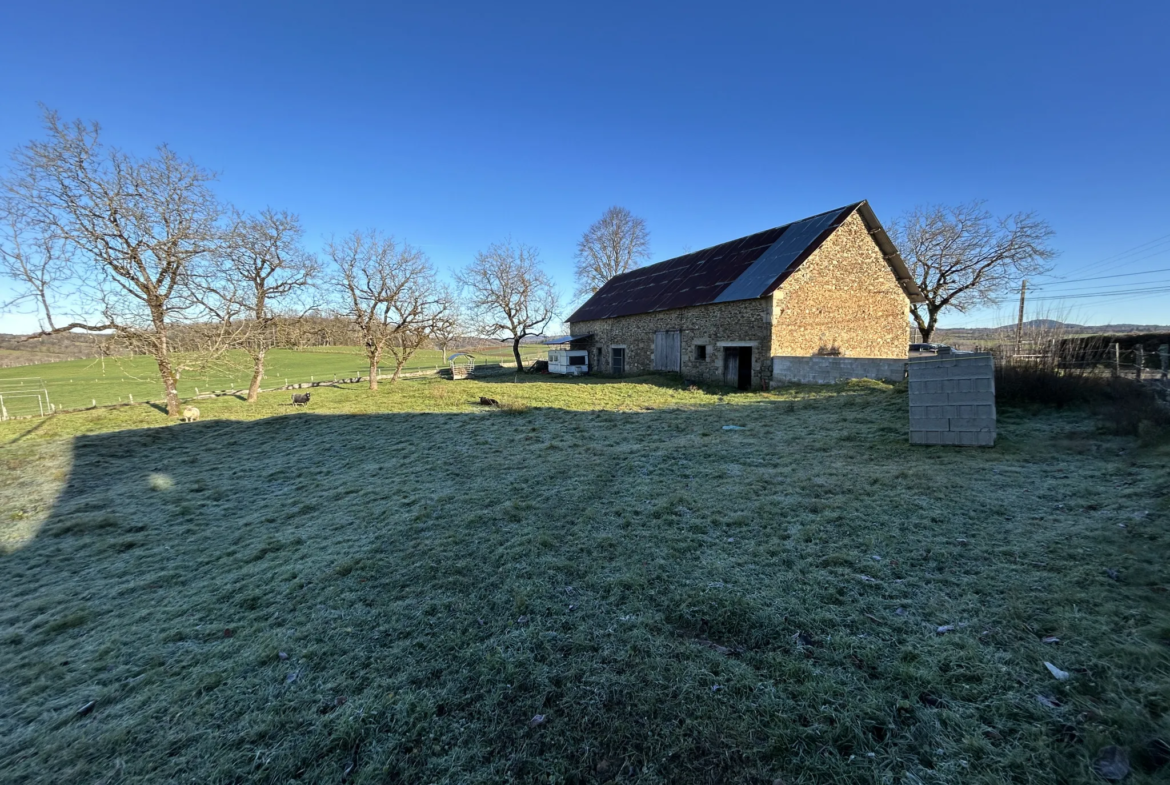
column 829, row 285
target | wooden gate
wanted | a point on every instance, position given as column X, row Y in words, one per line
column 668, row 351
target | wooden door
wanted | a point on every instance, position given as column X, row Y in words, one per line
column 668, row 351
column 731, row 366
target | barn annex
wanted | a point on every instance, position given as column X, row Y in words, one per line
column 831, row 284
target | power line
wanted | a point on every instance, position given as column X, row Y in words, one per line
column 1121, row 254
column 1103, row 277
column 1105, row 287
column 1134, row 292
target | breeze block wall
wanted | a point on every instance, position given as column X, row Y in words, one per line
column 741, row 321
column 829, row 370
column 952, row 400
column 843, row 297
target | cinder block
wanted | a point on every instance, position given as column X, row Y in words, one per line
column 929, row 424
column 949, row 437
column 969, row 424
column 971, row 397
column 966, row 438
column 918, row 437
column 985, row 438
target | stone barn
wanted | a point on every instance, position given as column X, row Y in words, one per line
column 820, row 299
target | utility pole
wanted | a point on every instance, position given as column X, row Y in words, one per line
column 1020, row 320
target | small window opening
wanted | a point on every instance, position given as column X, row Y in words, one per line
column 701, row 352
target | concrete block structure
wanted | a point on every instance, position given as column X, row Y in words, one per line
column 952, row 400
column 830, row 370
column 828, row 289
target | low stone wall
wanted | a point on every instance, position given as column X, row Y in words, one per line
column 819, row 369
column 952, row 400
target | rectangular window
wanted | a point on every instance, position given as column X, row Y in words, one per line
column 617, row 360
column 576, row 359
column 701, row 352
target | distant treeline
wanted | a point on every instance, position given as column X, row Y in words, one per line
column 306, row 332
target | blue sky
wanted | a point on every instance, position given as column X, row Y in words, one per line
column 454, row 125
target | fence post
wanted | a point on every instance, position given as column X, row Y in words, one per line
column 1116, row 359
column 1139, row 360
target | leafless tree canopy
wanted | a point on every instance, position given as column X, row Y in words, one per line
column 263, row 274
column 510, row 295
column 617, row 243
column 963, row 256
column 110, row 237
column 389, row 292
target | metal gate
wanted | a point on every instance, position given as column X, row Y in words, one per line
column 668, row 351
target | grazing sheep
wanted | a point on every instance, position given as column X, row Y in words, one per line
column 300, row 399
column 488, row 401
column 190, row 414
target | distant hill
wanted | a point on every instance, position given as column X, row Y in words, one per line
column 1048, row 326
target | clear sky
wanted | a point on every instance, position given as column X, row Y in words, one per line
column 454, row 125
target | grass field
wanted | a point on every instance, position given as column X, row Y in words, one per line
column 75, row 384
column 597, row 584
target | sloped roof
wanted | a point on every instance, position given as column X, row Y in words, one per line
column 743, row 269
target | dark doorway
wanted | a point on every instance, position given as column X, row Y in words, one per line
column 745, row 368
column 737, row 367
column 617, row 360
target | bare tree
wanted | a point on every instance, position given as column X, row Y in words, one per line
column 35, row 258
column 264, row 267
column 449, row 327
column 617, row 243
column 390, row 293
column 511, row 296
column 131, row 229
column 963, row 256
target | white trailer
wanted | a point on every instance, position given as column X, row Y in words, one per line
column 568, row 361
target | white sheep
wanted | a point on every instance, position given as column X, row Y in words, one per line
column 190, row 414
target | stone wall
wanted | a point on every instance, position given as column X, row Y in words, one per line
column 744, row 321
column 843, row 297
column 952, row 400
column 828, row 370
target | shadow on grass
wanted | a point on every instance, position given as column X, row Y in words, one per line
column 581, row 596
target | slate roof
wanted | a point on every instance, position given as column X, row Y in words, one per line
column 743, row 269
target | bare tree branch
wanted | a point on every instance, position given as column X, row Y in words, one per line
column 389, row 292
column 129, row 230
column 617, row 243
column 262, row 269
column 511, row 296
column 963, row 256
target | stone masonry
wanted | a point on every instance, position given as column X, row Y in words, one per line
column 743, row 322
column 843, row 298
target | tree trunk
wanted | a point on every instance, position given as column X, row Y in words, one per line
column 398, row 365
column 170, row 387
column 257, row 375
column 516, row 354
column 162, row 356
column 926, row 327
column 373, row 373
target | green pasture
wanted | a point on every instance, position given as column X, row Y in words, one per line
column 75, row 384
